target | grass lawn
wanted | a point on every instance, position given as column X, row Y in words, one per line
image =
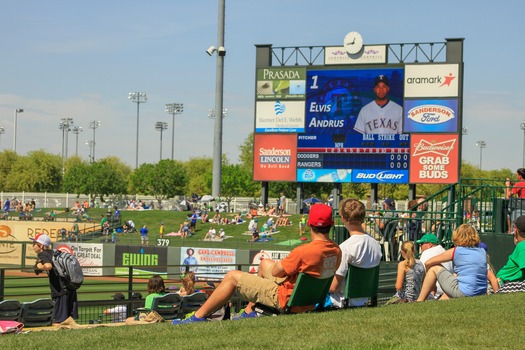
column 488, row 322
column 173, row 219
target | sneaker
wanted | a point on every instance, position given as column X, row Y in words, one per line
column 243, row 314
column 190, row 319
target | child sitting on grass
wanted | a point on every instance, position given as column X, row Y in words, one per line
column 410, row 275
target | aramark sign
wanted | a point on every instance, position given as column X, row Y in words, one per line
column 431, row 80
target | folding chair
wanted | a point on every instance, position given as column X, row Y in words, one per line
column 192, row 302
column 10, row 310
column 38, row 313
column 361, row 283
column 307, row 292
column 167, row 306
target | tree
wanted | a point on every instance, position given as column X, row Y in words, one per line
column 39, row 171
column 199, row 170
column 163, row 180
column 76, row 176
column 246, row 155
column 7, row 159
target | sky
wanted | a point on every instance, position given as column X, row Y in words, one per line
column 78, row 59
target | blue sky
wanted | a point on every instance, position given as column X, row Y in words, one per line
column 81, row 59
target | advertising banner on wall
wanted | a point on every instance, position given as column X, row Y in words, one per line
column 432, row 80
column 201, row 261
column 146, row 259
column 371, row 54
column 431, row 116
column 257, row 255
column 279, row 116
column 11, row 248
column 274, row 157
column 281, row 83
column 88, row 254
column 435, row 158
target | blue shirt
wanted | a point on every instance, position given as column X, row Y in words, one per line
column 143, row 231
column 470, row 265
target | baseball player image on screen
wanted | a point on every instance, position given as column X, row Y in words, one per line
column 381, row 116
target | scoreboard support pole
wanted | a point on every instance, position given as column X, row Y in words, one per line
column 264, row 193
column 300, row 196
column 373, row 193
column 411, row 192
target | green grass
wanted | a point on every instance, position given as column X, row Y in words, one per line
column 173, row 219
column 488, row 322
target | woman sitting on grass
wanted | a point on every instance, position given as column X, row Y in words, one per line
column 156, row 288
column 470, row 267
column 410, row 275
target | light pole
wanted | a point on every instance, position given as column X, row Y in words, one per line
column 2, row 130
column 211, row 113
column 481, row 144
column 161, row 126
column 522, row 126
column 65, row 124
column 93, row 125
column 18, row 110
column 138, row 98
column 76, row 130
column 173, row 109
column 90, row 145
column 219, row 86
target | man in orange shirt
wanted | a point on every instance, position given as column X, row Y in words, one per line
column 274, row 282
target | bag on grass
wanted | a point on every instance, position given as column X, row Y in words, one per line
column 7, row 327
column 68, row 268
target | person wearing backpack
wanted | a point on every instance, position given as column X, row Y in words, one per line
column 65, row 299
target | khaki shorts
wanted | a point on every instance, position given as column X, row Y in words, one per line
column 259, row 289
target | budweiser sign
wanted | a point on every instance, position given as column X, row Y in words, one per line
column 442, row 148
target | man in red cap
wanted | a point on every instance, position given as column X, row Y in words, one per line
column 65, row 300
column 275, row 280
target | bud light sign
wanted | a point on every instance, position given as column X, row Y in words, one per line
column 380, row 176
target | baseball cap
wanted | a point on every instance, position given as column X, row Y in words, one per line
column 118, row 296
column 381, row 79
column 520, row 223
column 428, row 238
column 390, row 203
column 320, row 215
column 484, row 246
column 42, row 239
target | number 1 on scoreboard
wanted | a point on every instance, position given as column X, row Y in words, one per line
column 314, row 85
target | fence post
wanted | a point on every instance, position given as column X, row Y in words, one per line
column 2, row 279
column 130, row 282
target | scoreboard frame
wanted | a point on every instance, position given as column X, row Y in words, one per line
column 305, row 116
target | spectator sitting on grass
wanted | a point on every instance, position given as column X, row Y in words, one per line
column 512, row 275
column 470, row 267
column 410, row 275
column 210, row 234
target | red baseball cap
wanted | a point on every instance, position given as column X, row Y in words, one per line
column 320, row 215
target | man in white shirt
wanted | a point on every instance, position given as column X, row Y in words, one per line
column 429, row 249
column 360, row 250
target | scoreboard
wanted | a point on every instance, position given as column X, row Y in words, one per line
column 331, row 123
